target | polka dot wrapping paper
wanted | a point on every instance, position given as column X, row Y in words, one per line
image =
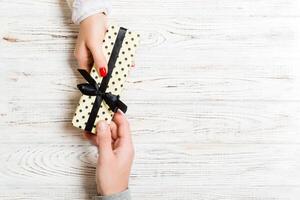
column 122, row 65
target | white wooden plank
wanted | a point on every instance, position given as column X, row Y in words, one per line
column 202, row 122
column 210, row 193
column 187, row 167
column 226, row 128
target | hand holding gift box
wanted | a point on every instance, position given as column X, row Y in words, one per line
column 100, row 97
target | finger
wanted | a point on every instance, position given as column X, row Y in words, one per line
column 99, row 59
column 122, row 124
column 84, row 57
column 113, row 129
column 104, row 139
column 114, row 135
column 124, row 142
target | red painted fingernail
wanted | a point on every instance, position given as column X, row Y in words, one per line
column 103, row 71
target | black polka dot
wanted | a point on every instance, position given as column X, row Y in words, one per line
column 103, row 113
column 116, row 89
column 122, row 69
column 83, row 117
column 128, row 65
column 119, row 79
column 79, row 126
column 96, row 77
column 123, row 52
column 92, row 103
column 77, row 120
column 80, row 110
column 129, row 49
column 132, row 39
column 116, row 72
column 138, row 35
column 108, row 53
column 109, row 36
column 106, row 47
column 115, row 33
column 101, row 106
column 94, row 126
column 113, row 82
column 86, row 107
column 112, row 27
column 75, row 114
column 94, row 70
column 106, row 119
column 97, row 116
column 131, row 55
column 129, row 32
column 120, row 62
column 121, row 85
column 134, row 45
column 103, row 40
column 89, row 113
column 126, row 42
column 125, row 75
column 125, row 58
column 112, row 43
column 83, row 100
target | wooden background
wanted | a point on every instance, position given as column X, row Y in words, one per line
column 214, row 101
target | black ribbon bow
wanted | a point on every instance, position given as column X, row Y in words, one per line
column 99, row 90
column 93, row 89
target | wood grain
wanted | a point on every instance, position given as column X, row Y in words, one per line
column 214, row 101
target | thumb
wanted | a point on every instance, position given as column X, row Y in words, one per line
column 104, row 139
column 99, row 60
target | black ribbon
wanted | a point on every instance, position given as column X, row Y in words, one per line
column 93, row 89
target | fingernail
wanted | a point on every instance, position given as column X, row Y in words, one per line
column 101, row 126
column 120, row 111
column 102, row 71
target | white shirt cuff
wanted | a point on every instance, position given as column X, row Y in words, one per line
column 82, row 9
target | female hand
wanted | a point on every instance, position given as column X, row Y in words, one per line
column 116, row 154
column 88, row 48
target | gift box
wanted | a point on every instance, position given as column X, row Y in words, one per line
column 101, row 96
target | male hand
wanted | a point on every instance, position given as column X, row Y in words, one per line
column 116, row 154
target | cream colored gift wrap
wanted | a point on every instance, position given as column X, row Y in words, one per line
column 100, row 97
